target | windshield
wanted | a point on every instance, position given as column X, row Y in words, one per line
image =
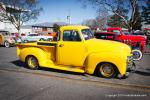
column 87, row 34
column 117, row 32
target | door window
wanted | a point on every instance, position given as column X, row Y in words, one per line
column 71, row 35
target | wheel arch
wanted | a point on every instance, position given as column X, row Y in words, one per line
column 38, row 53
column 115, row 59
column 100, row 63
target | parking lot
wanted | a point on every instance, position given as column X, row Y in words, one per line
column 18, row 82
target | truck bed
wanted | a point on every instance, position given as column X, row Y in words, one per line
column 47, row 47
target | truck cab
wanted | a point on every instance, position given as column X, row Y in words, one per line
column 77, row 50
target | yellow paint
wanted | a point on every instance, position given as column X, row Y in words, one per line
column 77, row 56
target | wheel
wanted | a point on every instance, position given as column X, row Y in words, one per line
column 41, row 39
column 25, row 41
column 7, row 44
column 106, row 70
column 32, row 62
column 137, row 54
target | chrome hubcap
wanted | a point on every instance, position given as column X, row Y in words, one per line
column 32, row 62
column 6, row 44
column 107, row 69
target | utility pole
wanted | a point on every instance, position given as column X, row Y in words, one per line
column 69, row 17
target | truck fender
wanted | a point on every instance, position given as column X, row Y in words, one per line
column 33, row 51
column 94, row 59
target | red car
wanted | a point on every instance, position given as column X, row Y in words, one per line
column 136, row 42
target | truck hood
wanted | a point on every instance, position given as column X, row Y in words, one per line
column 98, row 45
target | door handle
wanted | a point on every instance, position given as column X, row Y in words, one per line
column 61, row 45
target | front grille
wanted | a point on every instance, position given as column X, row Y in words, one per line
column 129, row 59
column 129, row 62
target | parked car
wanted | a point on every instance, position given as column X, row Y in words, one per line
column 6, row 39
column 137, row 43
column 77, row 50
column 16, row 37
column 35, row 37
column 51, row 34
column 140, row 33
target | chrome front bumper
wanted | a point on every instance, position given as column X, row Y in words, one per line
column 131, row 67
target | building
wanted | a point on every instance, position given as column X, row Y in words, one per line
column 4, row 24
column 46, row 27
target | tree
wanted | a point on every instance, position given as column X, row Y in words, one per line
column 101, row 22
column 56, row 28
column 101, row 19
column 117, row 21
column 109, row 5
column 90, row 22
column 136, row 22
column 146, row 13
column 19, row 11
column 113, row 5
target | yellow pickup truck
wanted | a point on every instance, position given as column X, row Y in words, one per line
column 76, row 50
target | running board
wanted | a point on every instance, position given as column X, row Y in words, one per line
column 50, row 64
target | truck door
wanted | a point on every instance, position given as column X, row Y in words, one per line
column 71, row 50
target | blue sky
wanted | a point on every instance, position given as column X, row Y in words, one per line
column 58, row 10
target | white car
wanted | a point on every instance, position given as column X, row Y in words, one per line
column 35, row 37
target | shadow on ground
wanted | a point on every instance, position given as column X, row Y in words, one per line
column 18, row 63
column 148, row 69
column 144, row 73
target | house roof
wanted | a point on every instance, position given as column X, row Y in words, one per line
column 46, row 24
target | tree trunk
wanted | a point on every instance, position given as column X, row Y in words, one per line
column 133, row 5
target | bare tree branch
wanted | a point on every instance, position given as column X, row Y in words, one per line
column 19, row 11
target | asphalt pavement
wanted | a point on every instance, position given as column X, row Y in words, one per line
column 20, row 83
